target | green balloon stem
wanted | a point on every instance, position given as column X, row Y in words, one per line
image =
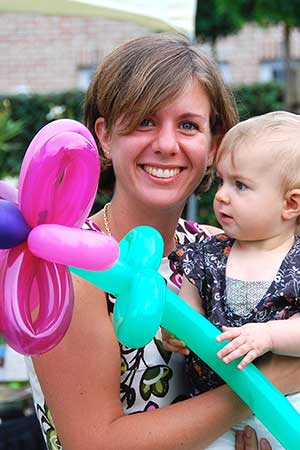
column 266, row 402
column 141, row 249
column 113, row 280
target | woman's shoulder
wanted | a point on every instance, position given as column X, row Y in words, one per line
column 89, row 224
column 194, row 237
column 190, row 231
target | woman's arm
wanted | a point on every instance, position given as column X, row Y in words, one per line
column 81, row 382
column 282, row 371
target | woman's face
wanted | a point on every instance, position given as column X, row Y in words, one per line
column 161, row 162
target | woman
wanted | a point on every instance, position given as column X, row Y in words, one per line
column 158, row 111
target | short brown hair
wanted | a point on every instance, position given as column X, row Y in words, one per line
column 143, row 75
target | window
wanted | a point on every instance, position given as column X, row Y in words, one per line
column 274, row 70
column 271, row 70
column 84, row 76
column 225, row 71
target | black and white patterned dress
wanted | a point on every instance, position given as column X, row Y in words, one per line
column 204, row 265
column 150, row 377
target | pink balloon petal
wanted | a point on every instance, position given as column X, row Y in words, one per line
column 54, row 278
column 59, row 183
column 36, row 302
column 3, row 254
column 47, row 132
column 8, row 192
column 86, row 249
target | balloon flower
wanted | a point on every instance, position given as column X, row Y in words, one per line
column 144, row 302
column 40, row 234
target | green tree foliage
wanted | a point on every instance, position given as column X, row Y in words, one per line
column 270, row 11
column 259, row 98
column 9, row 130
column 214, row 20
column 22, row 116
column 287, row 13
column 266, row 13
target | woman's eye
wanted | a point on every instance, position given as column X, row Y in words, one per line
column 189, row 126
column 146, row 123
column 241, row 186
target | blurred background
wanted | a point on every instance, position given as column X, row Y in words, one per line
column 50, row 51
column 48, row 54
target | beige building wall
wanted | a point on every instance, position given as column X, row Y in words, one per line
column 53, row 54
column 246, row 51
column 45, row 54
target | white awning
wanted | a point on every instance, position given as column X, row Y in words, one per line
column 158, row 15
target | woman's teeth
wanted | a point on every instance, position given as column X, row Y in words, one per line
column 161, row 173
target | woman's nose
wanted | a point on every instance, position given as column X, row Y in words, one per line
column 166, row 141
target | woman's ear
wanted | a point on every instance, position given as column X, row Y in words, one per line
column 103, row 136
column 291, row 205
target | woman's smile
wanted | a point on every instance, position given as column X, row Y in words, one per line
column 160, row 172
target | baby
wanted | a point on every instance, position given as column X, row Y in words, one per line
column 247, row 280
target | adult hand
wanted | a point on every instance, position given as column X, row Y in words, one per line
column 172, row 344
column 247, row 440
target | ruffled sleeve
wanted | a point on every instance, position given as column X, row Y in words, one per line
column 189, row 261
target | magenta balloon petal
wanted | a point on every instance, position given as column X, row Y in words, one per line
column 47, row 132
column 59, row 177
column 57, row 187
column 36, row 302
column 8, row 192
column 87, row 249
column 3, row 254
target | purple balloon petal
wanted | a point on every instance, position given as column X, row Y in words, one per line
column 13, row 228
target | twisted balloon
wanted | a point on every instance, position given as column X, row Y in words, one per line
column 144, row 302
column 38, row 238
column 40, row 233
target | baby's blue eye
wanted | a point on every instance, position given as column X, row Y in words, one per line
column 241, row 186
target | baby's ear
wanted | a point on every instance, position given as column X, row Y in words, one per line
column 291, row 205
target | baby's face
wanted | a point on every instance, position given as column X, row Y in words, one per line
column 249, row 200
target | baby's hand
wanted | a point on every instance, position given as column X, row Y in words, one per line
column 172, row 344
column 251, row 340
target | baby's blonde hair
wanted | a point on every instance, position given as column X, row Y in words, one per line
column 278, row 133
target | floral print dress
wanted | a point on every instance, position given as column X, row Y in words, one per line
column 150, row 377
column 204, row 265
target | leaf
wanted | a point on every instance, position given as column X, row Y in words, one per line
column 166, row 356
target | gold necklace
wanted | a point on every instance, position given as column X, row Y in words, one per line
column 105, row 219
column 108, row 230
